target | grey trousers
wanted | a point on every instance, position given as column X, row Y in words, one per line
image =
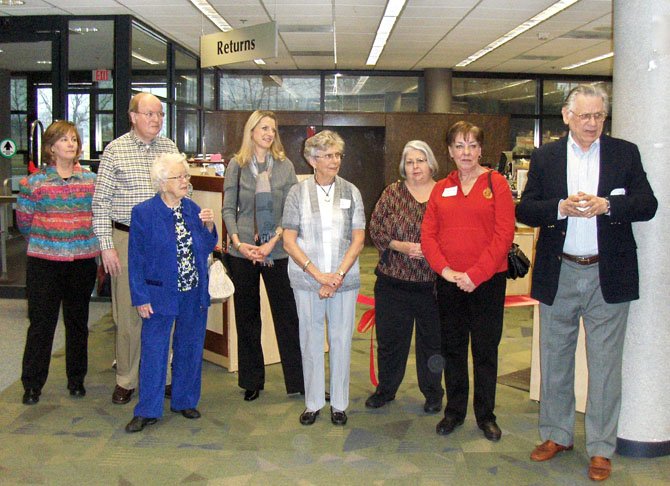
column 579, row 295
column 340, row 311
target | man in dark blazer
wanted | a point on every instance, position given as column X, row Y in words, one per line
column 584, row 191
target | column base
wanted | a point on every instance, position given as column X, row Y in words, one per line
column 634, row 448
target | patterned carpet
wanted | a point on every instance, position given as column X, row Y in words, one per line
column 82, row 441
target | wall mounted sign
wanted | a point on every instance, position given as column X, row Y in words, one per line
column 255, row 42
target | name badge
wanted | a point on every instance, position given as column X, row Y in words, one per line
column 450, row 191
column 345, row 203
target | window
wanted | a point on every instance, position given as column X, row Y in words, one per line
column 486, row 95
column 269, row 92
column 371, row 93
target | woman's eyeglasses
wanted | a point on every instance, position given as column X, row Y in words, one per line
column 182, row 177
column 330, row 157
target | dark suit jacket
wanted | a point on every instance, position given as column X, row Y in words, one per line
column 620, row 168
column 152, row 254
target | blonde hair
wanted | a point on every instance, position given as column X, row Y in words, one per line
column 53, row 134
column 246, row 152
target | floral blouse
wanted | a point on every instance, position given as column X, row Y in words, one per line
column 187, row 271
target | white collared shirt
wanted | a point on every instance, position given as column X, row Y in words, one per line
column 581, row 238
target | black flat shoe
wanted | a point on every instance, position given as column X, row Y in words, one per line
column 77, row 390
column 308, row 418
column 432, row 406
column 251, row 395
column 377, row 400
column 337, row 418
column 491, row 430
column 447, row 425
column 137, row 424
column 189, row 413
column 31, row 396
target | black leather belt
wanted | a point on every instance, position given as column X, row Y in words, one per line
column 582, row 260
column 121, row 226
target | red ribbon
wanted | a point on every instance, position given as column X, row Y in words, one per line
column 367, row 323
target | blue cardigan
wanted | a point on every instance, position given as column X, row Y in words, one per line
column 152, row 254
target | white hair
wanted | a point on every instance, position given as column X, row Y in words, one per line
column 161, row 167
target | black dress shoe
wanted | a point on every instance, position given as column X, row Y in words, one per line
column 137, row 424
column 308, row 418
column 447, row 425
column 77, row 390
column 377, row 400
column 337, row 417
column 189, row 413
column 251, row 395
column 432, row 406
column 491, row 430
column 31, row 396
column 168, row 391
column 121, row 395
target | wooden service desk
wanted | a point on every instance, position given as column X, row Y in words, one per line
column 221, row 335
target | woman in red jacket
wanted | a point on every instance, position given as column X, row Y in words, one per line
column 466, row 233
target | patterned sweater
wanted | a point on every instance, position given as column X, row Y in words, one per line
column 55, row 215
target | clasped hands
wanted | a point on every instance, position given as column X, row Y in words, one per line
column 461, row 279
column 256, row 254
column 330, row 283
column 582, row 205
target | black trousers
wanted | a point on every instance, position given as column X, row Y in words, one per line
column 476, row 316
column 398, row 305
column 48, row 285
column 246, row 277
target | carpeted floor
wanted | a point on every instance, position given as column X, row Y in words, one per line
column 82, row 441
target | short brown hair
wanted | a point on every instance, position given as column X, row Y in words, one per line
column 55, row 132
column 465, row 128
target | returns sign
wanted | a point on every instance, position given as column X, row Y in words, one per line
column 255, row 42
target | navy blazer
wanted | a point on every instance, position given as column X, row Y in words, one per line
column 620, row 171
column 152, row 254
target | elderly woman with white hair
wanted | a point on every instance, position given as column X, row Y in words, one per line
column 405, row 287
column 170, row 240
column 324, row 232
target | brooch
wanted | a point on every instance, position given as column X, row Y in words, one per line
column 487, row 193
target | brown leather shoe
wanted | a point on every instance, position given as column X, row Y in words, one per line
column 121, row 395
column 600, row 468
column 547, row 450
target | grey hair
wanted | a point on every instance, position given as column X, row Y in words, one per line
column 323, row 141
column 421, row 146
column 595, row 89
column 161, row 167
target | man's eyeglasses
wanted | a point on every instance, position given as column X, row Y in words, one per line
column 152, row 114
column 182, row 177
column 409, row 163
column 584, row 117
column 329, row 157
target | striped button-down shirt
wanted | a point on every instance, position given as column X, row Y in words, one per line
column 124, row 181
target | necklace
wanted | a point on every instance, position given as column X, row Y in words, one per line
column 327, row 193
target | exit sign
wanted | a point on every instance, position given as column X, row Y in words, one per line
column 102, row 75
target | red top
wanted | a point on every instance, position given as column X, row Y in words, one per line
column 472, row 233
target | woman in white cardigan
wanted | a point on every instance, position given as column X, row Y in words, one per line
column 324, row 232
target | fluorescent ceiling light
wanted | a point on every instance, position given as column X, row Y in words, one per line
column 210, row 12
column 260, row 62
column 520, row 29
column 142, row 58
column 12, row 3
column 393, row 9
column 83, row 30
column 589, row 61
column 42, row 62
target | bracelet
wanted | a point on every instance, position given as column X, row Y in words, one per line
column 341, row 273
column 237, row 247
column 304, row 267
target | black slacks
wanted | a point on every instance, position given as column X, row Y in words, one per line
column 476, row 316
column 398, row 305
column 48, row 284
column 246, row 277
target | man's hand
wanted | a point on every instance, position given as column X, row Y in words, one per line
column 582, row 205
column 111, row 262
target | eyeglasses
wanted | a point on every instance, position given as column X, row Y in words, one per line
column 330, row 157
column 182, row 177
column 409, row 163
column 584, row 117
column 152, row 114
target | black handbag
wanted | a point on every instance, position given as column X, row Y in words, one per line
column 518, row 263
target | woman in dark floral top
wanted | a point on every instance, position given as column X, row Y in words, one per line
column 404, row 290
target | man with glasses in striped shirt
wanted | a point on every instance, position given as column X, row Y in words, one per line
column 123, row 181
